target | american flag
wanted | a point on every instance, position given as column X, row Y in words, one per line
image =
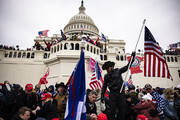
column 43, row 33
column 130, row 80
column 173, row 46
column 96, row 79
column 82, row 28
column 154, row 62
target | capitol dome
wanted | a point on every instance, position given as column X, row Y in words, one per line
column 81, row 23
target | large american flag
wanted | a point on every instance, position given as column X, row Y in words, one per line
column 154, row 62
column 96, row 79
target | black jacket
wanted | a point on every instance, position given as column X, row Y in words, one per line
column 90, row 107
column 23, row 100
column 48, row 111
column 113, row 80
column 16, row 117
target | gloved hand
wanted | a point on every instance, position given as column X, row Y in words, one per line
column 153, row 113
column 102, row 98
column 133, row 54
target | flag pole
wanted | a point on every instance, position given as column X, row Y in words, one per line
column 133, row 51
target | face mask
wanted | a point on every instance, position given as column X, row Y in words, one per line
column 172, row 95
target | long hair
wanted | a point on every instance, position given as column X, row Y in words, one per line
column 167, row 93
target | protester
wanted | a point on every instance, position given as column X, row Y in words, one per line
column 23, row 114
column 27, row 99
column 48, row 46
column 61, row 96
column 145, row 107
column 100, row 106
column 128, row 110
column 169, row 109
column 133, row 94
column 158, row 99
column 51, row 90
column 113, row 80
column 91, row 109
column 48, row 111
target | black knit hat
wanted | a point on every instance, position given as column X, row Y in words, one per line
column 107, row 64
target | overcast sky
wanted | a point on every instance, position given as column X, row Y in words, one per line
column 20, row 20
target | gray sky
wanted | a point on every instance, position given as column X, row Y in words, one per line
column 20, row 20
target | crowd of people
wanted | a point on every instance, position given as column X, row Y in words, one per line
column 34, row 103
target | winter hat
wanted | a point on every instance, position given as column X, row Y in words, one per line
column 102, row 116
column 29, row 87
column 142, row 117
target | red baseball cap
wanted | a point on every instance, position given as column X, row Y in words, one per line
column 29, row 87
column 46, row 95
column 142, row 117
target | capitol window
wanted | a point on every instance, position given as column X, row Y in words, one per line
column 121, row 58
column 168, row 59
column 61, row 47
column 176, row 60
column 51, row 50
column 72, row 46
column 101, row 57
column 58, row 48
column 28, row 55
column 24, row 55
column 65, row 46
column 91, row 49
column 55, row 49
column 94, row 50
column 15, row 53
column 19, row 55
column 105, row 57
column 45, row 55
column 6, row 54
column 117, row 57
column 76, row 46
column 10, row 54
column 32, row 55
column 87, row 47
column 97, row 52
column 172, row 59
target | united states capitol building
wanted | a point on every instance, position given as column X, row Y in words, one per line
column 28, row 66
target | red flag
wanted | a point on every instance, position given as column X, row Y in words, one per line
column 154, row 63
column 135, row 68
column 43, row 80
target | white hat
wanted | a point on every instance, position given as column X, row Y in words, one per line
column 84, row 36
column 147, row 96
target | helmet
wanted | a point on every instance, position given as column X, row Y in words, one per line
column 131, row 87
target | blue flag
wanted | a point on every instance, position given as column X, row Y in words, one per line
column 76, row 104
column 103, row 37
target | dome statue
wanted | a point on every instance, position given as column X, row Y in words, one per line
column 81, row 24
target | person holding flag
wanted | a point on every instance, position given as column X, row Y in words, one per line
column 113, row 80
